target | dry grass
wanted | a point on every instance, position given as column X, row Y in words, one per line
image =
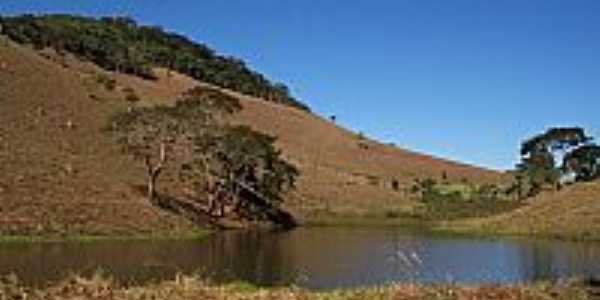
column 62, row 175
column 573, row 213
column 184, row 288
column 338, row 171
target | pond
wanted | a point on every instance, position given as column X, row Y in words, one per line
column 316, row 258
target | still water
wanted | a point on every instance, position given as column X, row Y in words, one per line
column 318, row 258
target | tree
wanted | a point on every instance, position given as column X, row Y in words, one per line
column 150, row 133
column 146, row 133
column 539, row 155
column 234, row 166
column 555, row 139
column 250, row 175
column 584, row 161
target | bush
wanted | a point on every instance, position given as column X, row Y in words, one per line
column 106, row 81
column 130, row 95
column 133, row 98
column 392, row 214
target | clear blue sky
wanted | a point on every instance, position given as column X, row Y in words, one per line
column 464, row 79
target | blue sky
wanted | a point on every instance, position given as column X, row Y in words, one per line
column 464, row 79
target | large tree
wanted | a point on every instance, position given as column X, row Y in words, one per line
column 540, row 153
column 553, row 140
column 150, row 134
column 250, row 170
column 237, row 169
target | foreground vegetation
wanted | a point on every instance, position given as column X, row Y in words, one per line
column 183, row 287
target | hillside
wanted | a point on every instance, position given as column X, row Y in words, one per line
column 572, row 213
column 60, row 172
column 120, row 44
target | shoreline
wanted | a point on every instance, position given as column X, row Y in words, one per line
column 458, row 228
column 200, row 234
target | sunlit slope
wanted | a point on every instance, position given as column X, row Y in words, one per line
column 60, row 172
column 572, row 213
column 345, row 169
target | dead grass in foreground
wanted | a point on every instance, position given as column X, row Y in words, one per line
column 184, row 287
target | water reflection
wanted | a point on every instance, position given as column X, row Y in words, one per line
column 315, row 258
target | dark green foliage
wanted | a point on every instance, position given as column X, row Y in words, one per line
column 538, row 159
column 193, row 114
column 131, row 96
column 537, row 153
column 106, row 81
column 252, row 166
column 558, row 138
column 216, row 101
column 446, row 201
column 454, row 206
column 584, row 161
column 423, row 186
column 120, row 44
column 392, row 214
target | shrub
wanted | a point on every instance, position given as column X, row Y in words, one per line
column 106, row 81
column 130, row 95
column 392, row 214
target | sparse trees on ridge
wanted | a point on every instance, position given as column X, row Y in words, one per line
column 120, row 44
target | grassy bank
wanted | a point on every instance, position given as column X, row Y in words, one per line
column 364, row 219
column 478, row 228
column 199, row 234
column 184, row 288
column 430, row 212
column 465, row 228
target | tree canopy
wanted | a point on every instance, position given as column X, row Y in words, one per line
column 539, row 157
column 235, row 167
column 557, row 138
column 584, row 161
column 120, row 44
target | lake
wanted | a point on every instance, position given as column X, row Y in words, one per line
column 316, row 258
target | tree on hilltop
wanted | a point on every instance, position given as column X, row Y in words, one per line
column 539, row 155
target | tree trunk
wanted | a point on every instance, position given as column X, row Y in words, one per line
column 154, row 171
column 152, row 186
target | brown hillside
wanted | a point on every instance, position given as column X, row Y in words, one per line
column 342, row 170
column 59, row 172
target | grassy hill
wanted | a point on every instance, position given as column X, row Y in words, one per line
column 61, row 174
column 572, row 213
